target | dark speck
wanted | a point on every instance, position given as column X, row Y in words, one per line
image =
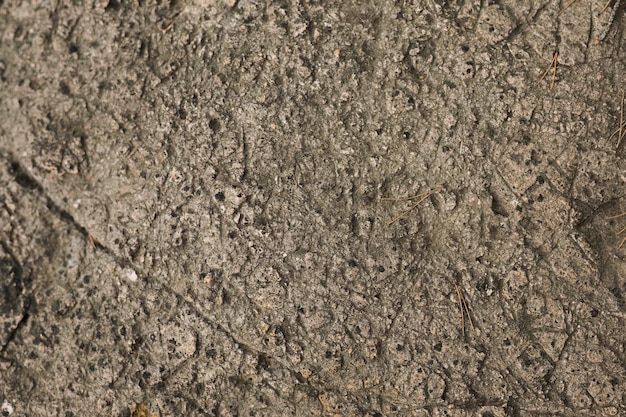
column 214, row 124
column 617, row 293
column 220, row 196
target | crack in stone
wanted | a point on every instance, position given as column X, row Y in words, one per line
column 27, row 180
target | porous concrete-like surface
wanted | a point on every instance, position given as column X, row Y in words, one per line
column 191, row 214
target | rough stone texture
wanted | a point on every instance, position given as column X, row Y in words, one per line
column 190, row 213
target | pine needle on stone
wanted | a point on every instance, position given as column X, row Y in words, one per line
column 552, row 66
column 422, row 196
column 464, row 308
column 621, row 231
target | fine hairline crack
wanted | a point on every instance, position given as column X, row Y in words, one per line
column 25, row 313
column 27, row 180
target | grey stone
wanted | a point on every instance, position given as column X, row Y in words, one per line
column 191, row 219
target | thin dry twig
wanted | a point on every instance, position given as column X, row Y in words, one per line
column 552, row 65
column 614, row 133
column 422, row 196
column 620, row 131
column 464, row 308
column 621, row 243
column 606, row 6
column 567, row 7
column 611, row 18
column 616, row 216
column 166, row 28
column 92, row 240
column 621, row 121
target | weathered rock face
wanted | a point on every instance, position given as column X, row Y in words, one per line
column 191, row 219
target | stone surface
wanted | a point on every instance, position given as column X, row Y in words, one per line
column 191, row 219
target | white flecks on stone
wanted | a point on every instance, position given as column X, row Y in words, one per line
column 6, row 408
column 131, row 274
